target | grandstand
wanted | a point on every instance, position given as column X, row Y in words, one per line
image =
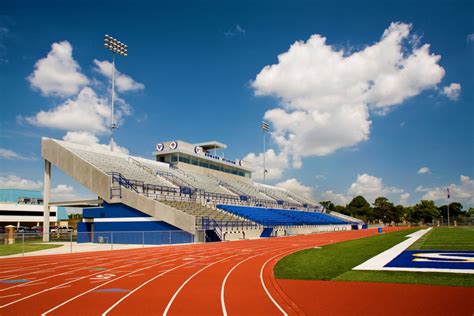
column 186, row 188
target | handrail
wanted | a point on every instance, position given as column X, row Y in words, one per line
column 138, row 164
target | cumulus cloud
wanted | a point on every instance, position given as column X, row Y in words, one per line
column 15, row 182
column 336, row 198
column 11, row 155
column 462, row 192
column 470, row 37
column 274, row 163
column 90, row 140
column 452, row 91
column 123, row 83
column 370, row 187
column 297, row 187
column 58, row 74
column 64, row 192
column 85, row 112
column 424, row 170
column 404, row 198
column 326, row 94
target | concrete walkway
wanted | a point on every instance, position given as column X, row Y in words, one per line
column 66, row 247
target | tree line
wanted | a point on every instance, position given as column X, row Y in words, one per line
column 385, row 211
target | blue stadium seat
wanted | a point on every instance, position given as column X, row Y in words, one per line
column 279, row 217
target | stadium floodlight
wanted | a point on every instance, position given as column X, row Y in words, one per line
column 119, row 48
column 265, row 129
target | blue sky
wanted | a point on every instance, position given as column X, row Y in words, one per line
column 196, row 72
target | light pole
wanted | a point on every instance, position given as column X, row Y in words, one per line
column 449, row 195
column 116, row 47
column 265, row 129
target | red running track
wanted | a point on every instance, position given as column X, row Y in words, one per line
column 230, row 278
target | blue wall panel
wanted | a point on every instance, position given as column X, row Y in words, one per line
column 113, row 210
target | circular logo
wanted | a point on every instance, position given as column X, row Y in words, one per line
column 160, row 147
column 174, row 145
column 197, row 150
column 241, row 162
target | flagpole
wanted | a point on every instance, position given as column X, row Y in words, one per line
column 264, row 169
column 448, row 205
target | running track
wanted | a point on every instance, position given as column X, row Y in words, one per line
column 229, row 278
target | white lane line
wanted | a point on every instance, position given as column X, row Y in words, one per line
column 142, row 285
column 186, row 282
column 263, row 282
column 224, row 309
column 31, row 283
column 94, row 288
column 77, row 279
column 10, row 295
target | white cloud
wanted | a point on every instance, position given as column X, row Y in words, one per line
column 58, row 74
column 294, row 185
column 11, row 155
column 320, row 177
column 366, row 185
column 326, row 93
column 274, row 163
column 64, row 192
column 123, row 83
column 336, row 198
column 371, row 187
column 15, row 182
column 85, row 112
column 452, row 91
column 470, row 37
column 424, row 170
column 462, row 192
column 90, row 140
column 404, row 197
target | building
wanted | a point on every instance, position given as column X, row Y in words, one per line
column 25, row 208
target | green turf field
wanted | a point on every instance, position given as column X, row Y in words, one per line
column 335, row 262
column 6, row 250
column 444, row 238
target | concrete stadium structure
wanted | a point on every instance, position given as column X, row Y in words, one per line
column 186, row 190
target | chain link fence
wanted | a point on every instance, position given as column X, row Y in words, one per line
column 69, row 242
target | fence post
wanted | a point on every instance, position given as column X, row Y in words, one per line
column 112, row 241
column 23, row 244
column 169, row 232
column 143, row 239
column 70, row 236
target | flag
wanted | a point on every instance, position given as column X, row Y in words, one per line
column 449, row 194
column 265, row 126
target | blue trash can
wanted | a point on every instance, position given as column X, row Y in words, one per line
column 379, row 230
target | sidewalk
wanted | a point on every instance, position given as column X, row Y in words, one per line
column 81, row 247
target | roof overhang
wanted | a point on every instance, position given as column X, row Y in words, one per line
column 211, row 145
column 78, row 204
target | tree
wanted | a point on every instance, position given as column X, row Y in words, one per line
column 425, row 211
column 385, row 210
column 455, row 210
column 328, row 205
column 359, row 207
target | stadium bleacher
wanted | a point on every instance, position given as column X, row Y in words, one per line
column 280, row 217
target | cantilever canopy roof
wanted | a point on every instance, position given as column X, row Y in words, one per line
column 211, row 145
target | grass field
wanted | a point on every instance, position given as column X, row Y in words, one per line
column 6, row 250
column 444, row 238
column 335, row 262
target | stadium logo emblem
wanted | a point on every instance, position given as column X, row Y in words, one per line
column 241, row 162
column 174, row 145
column 459, row 257
column 197, row 150
column 160, row 147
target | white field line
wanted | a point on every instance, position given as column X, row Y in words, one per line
column 31, row 283
column 379, row 261
column 77, row 279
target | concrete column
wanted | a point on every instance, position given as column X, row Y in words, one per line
column 46, row 192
